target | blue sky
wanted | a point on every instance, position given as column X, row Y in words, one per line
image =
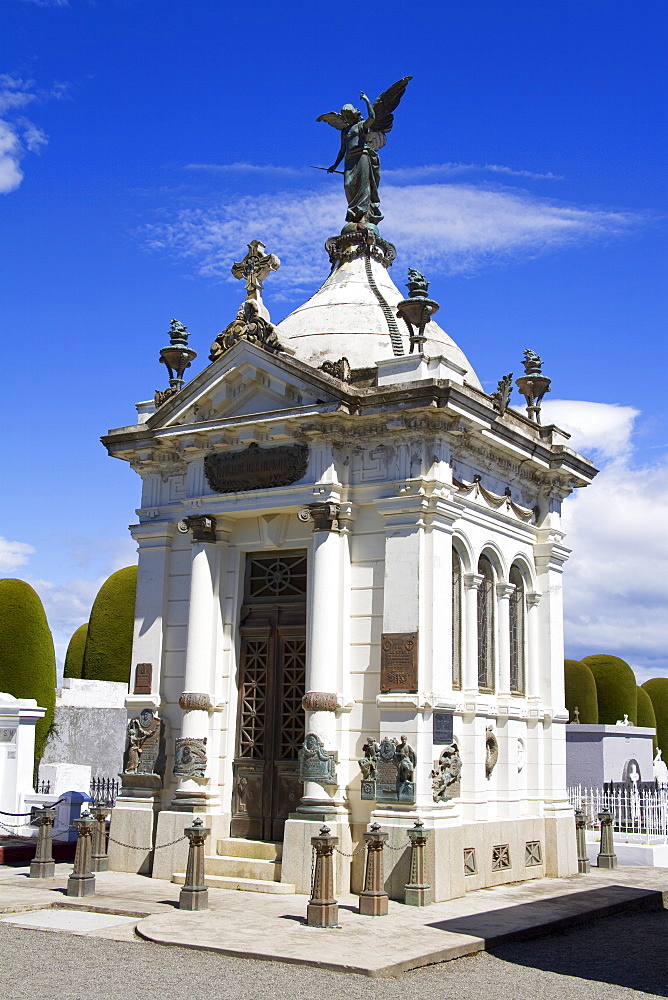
column 143, row 143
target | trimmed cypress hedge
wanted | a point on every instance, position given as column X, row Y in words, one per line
column 27, row 656
column 108, row 652
column 646, row 714
column 580, row 692
column 75, row 652
column 616, row 688
column 657, row 689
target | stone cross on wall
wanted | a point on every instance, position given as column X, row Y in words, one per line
column 254, row 269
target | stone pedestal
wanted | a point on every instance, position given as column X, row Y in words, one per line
column 418, row 890
column 100, row 858
column 43, row 865
column 323, row 908
column 194, row 895
column 82, row 880
column 606, row 857
column 373, row 898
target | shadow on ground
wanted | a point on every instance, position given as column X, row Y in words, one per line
column 625, row 950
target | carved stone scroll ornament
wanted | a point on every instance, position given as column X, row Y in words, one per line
column 325, row 516
column 337, row 369
column 247, row 325
column 145, row 745
column 446, row 776
column 320, row 701
column 316, row 763
column 255, row 468
column 190, row 757
column 203, row 527
column 195, row 701
column 491, row 751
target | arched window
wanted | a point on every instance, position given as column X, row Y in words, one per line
column 517, row 632
column 486, row 625
column 456, row 619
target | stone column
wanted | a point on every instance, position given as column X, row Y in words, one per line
column 322, row 668
column 472, row 583
column 195, row 701
column 504, row 591
column 533, row 665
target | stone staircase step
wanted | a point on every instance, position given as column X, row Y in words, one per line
column 235, row 867
column 258, row 850
column 243, row 884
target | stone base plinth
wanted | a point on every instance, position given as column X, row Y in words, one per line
column 606, row 861
column 81, row 885
column 297, row 850
column 100, row 864
column 170, row 827
column 373, row 904
column 42, row 869
column 132, row 825
column 194, row 899
column 322, row 914
column 583, row 867
column 414, row 896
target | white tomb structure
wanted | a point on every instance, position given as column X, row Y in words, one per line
column 18, row 717
column 349, row 601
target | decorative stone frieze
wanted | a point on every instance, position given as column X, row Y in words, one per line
column 320, row 701
column 195, row 701
column 190, row 757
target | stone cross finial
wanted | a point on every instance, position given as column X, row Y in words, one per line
column 254, row 269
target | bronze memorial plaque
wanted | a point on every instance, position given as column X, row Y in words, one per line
column 143, row 678
column 255, row 468
column 398, row 662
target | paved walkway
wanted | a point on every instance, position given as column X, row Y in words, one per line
column 272, row 928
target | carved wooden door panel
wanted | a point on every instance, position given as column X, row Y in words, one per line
column 272, row 673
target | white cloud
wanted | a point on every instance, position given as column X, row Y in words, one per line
column 11, row 152
column 13, row 554
column 434, row 170
column 49, row 3
column 444, row 228
column 246, row 168
column 18, row 135
column 616, row 581
column 605, row 428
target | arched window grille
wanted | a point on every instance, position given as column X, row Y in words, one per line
column 456, row 620
column 486, row 625
column 517, row 632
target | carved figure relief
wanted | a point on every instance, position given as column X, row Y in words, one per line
column 247, row 325
column 145, row 745
column 190, row 757
column 446, row 776
column 316, row 763
column 388, row 770
column 491, row 751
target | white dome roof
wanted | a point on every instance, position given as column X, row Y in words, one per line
column 346, row 319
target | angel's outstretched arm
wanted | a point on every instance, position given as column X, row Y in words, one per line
column 342, row 153
column 372, row 114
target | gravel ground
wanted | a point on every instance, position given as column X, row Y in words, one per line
column 618, row 958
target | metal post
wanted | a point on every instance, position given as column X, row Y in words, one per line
column 373, row 898
column 194, row 895
column 417, row 892
column 323, row 909
column 43, row 865
column 606, row 856
column 100, row 858
column 82, row 881
column 580, row 828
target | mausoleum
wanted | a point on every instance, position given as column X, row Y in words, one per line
column 349, row 599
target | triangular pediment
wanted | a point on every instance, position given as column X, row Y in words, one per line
column 245, row 381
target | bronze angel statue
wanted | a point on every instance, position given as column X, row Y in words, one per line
column 360, row 142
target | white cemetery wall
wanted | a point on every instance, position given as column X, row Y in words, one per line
column 90, row 723
column 598, row 754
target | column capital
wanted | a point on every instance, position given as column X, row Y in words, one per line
column 150, row 532
column 203, row 527
column 472, row 581
column 325, row 516
column 533, row 597
column 505, row 590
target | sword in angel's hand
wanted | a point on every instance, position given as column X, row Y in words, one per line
column 327, row 170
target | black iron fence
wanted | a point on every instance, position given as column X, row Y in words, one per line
column 103, row 791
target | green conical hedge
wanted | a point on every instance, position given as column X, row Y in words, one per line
column 108, row 653
column 580, row 692
column 657, row 689
column 616, row 688
column 75, row 652
column 646, row 714
column 27, row 656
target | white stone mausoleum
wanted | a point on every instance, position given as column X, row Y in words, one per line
column 349, row 602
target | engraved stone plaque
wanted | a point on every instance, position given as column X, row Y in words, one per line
column 398, row 662
column 442, row 723
column 143, row 678
column 255, row 468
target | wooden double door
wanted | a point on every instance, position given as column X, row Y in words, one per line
column 272, row 679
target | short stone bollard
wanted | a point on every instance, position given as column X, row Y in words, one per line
column 373, row 898
column 43, row 865
column 606, row 856
column 323, row 909
column 417, row 892
column 99, row 857
column 82, row 881
column 580, row 836
column 194, row 895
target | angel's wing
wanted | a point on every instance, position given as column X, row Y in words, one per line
column 334, row 119
column 383, row 107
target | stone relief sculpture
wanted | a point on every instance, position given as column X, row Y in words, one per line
column 388, row 770
column 491, row 751
column 190, row 757
column 446, row 776
column 361, row 138
column 144, row 748
column 316, row 763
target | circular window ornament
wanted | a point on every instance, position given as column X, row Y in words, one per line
column 278, row 576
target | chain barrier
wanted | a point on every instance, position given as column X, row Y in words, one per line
column 3, row 813
column 402, row 847
column 354, row 854
column 158, row 847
